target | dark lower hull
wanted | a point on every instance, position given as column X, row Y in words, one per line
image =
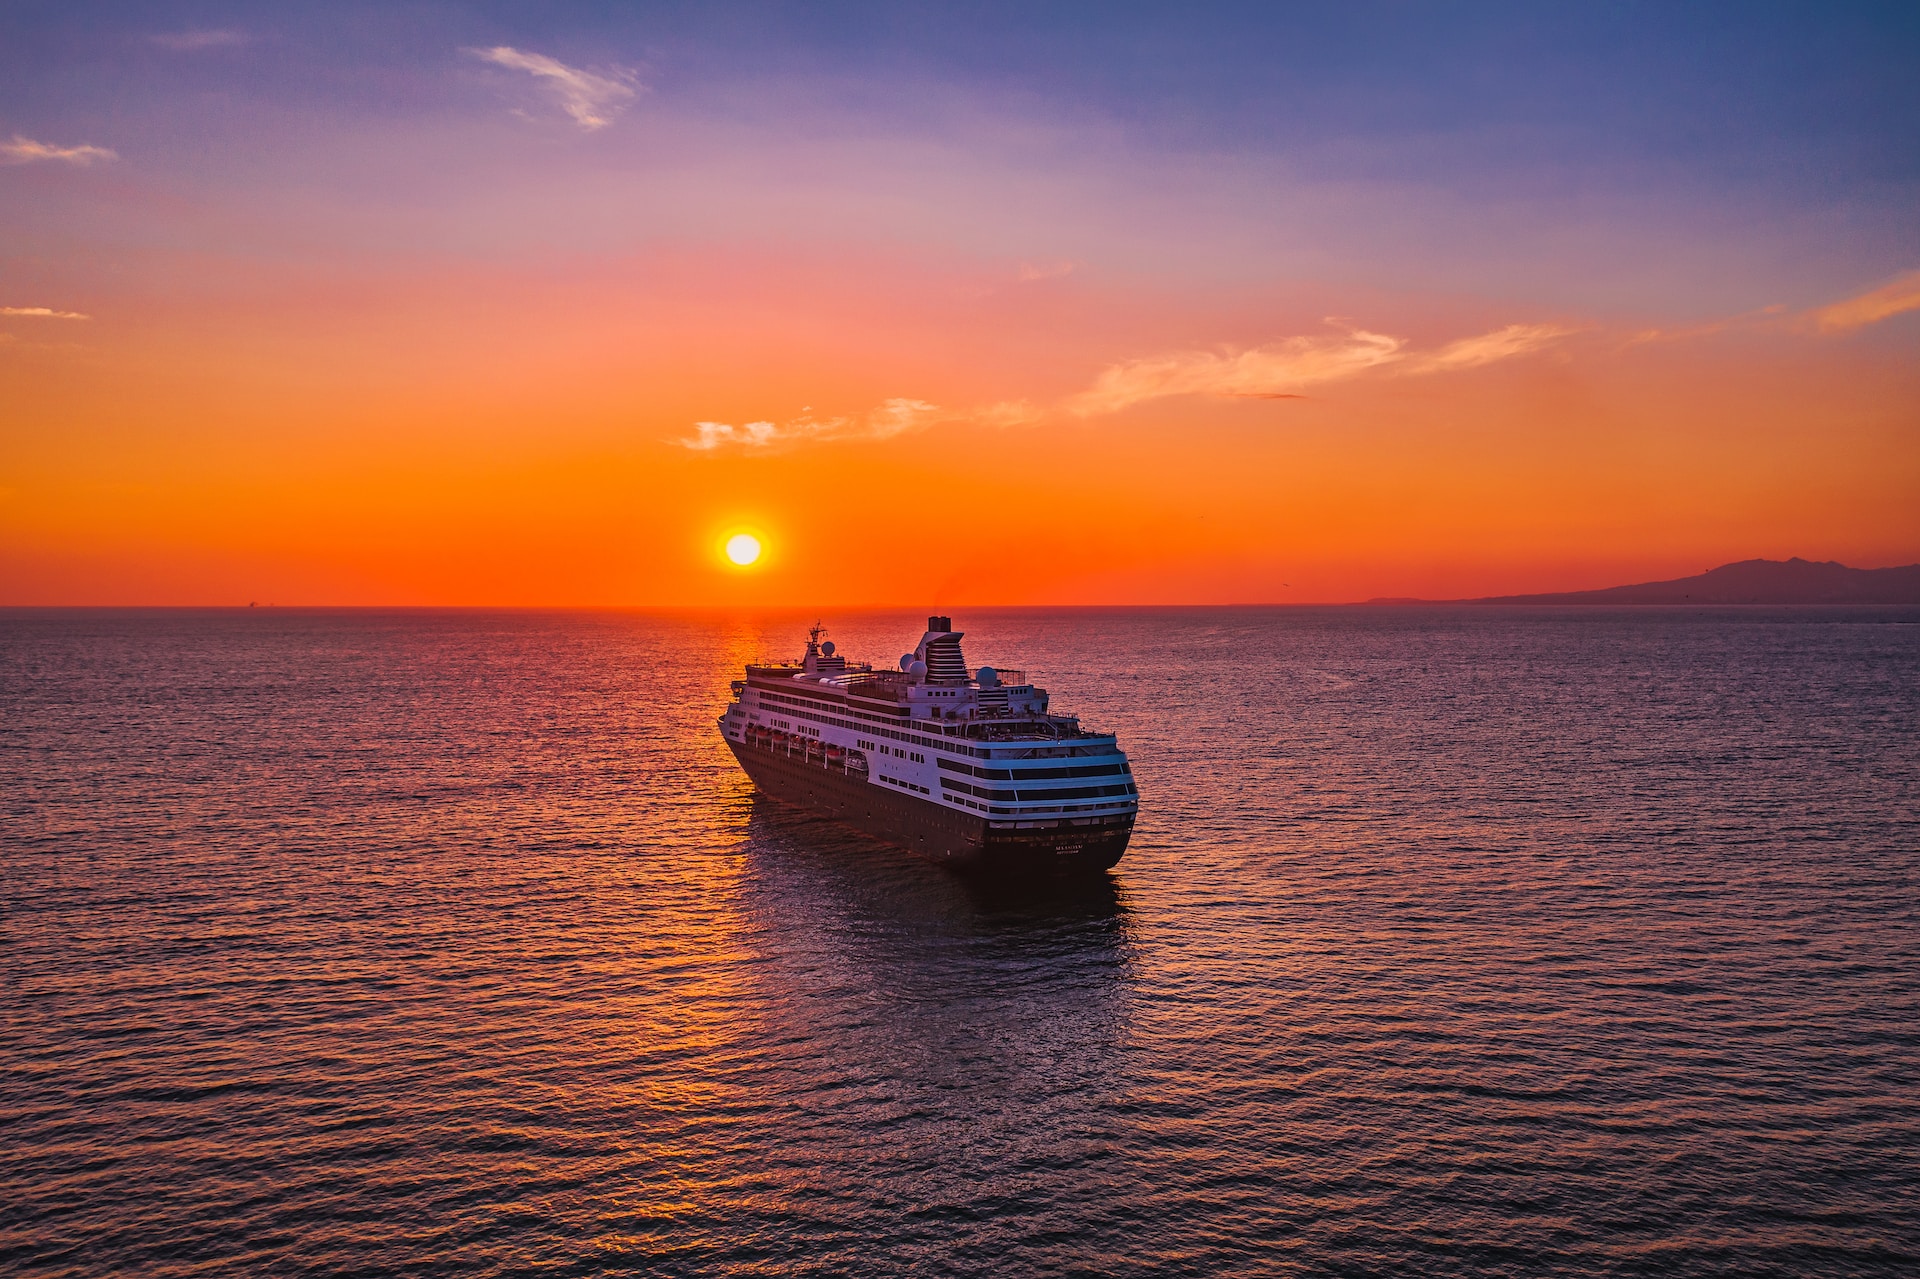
column 960, row 840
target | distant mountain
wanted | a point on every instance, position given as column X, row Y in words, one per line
column 1794, row 581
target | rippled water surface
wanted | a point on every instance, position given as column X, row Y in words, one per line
column 1477, row 942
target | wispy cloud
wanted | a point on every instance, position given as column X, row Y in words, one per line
column 592, row 99
column 19, row 150
column 194, row 41
column 1501, row 344
column 1890, row 299
column 1896, row 297
column 718, row 435
column 1279, row 369
column 1283, row 370
column 1006, row 413
column 894, row 417
column 42, row 313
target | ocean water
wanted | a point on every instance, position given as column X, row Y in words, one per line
column 1511, row 942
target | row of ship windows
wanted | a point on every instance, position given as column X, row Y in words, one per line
column 786, row 700
column 915, row 756
column 895, row 781
column 1065, row 792
column 979, row 752
column 1034, row 774
column 870, row 728
column 1031, row 812
column 882, row 732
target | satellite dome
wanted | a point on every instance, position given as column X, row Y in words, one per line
column 826, row 649
column 988, row 677
column 918, row 670
column 906, row 661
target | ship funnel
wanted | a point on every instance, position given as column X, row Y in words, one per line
column 940, row 650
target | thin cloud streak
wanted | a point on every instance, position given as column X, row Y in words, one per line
column 1006, row 413
column 1278, row 371
column 1282, row 370
column 1895, row 297
column 1501, row 344
column 41, row 313
column 23, row 150
column 592, row 100
column 894, row 417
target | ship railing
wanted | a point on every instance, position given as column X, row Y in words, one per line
column 993, row 730
column 812, row 750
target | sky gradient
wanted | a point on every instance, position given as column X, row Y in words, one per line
column 528, row 305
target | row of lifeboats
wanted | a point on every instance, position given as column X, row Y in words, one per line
column 799, row 746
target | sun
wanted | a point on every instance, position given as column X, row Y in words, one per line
column 743, row 549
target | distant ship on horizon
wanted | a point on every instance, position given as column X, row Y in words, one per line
column 969, row 768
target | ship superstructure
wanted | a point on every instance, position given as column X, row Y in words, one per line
column 967, row 766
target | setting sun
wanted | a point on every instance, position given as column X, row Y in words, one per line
column 743, row 548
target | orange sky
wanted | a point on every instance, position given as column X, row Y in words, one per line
column 379, row 388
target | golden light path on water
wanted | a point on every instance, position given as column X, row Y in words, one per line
column 1450, row 941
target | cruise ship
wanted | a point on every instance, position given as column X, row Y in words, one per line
column 969, row 768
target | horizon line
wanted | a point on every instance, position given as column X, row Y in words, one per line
column 1499, row 601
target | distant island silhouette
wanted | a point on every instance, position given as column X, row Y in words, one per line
column 1794, row 581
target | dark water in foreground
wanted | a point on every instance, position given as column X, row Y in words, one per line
column 1476, row 942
